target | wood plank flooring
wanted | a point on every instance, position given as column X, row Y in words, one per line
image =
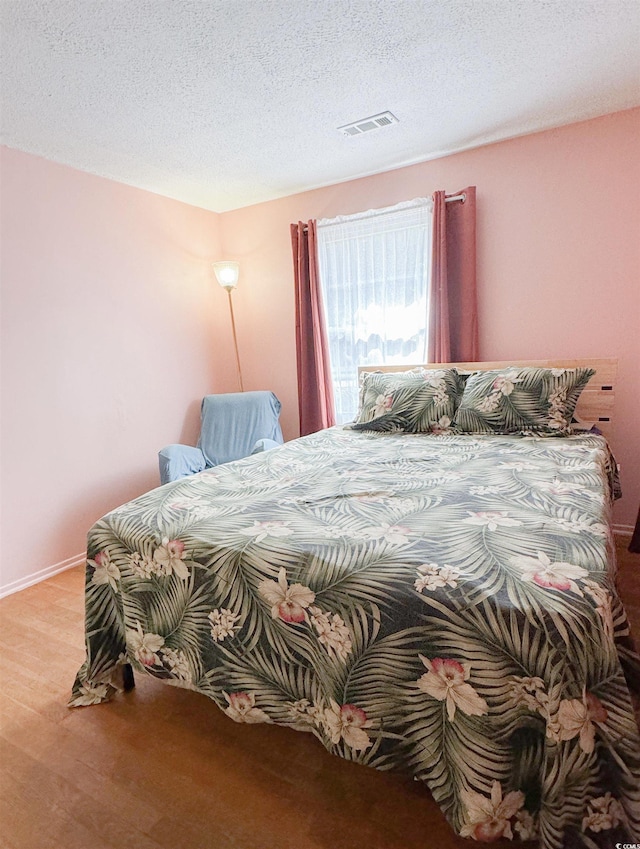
column 163, row 768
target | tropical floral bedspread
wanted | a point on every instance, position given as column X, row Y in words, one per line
column 443, row 605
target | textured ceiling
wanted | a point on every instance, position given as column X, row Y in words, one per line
column 225, row 103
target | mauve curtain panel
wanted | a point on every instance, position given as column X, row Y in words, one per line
column 315, row 391
column 453, row 304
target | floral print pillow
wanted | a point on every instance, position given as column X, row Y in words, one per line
column 515, row 399
column 418, row 401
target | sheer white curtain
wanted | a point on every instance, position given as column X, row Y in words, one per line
column 374, row 271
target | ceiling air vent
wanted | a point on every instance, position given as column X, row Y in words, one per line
column 384, row 119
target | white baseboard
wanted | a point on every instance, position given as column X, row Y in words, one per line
column 623, row 530
column 42, row 575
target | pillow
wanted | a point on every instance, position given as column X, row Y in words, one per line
column 417, row 401
column 541, row 400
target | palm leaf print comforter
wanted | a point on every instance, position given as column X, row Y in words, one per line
column 443, row 605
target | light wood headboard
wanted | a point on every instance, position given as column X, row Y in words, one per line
column 595, row 405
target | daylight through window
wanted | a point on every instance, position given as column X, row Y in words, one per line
column 374, row 273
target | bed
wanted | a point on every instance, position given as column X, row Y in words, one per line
column 439, row 603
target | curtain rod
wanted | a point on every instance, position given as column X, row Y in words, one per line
column 448, row 199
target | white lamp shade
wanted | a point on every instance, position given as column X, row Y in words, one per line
column 227, row 274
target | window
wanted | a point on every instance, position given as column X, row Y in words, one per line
column 374, row 273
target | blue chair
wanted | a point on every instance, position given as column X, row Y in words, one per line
column 234, row 425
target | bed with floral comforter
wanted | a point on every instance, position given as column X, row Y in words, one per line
column 443, row 605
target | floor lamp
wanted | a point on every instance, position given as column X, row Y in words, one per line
column 227, row 276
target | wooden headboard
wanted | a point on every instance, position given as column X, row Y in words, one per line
column 595, row 405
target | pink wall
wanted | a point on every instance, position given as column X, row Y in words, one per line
column 112, row 330
column 558, row 259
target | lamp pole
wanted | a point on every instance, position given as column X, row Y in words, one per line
column 227, row 272
column 235, row 339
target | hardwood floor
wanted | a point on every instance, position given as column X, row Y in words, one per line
column 163, row 768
